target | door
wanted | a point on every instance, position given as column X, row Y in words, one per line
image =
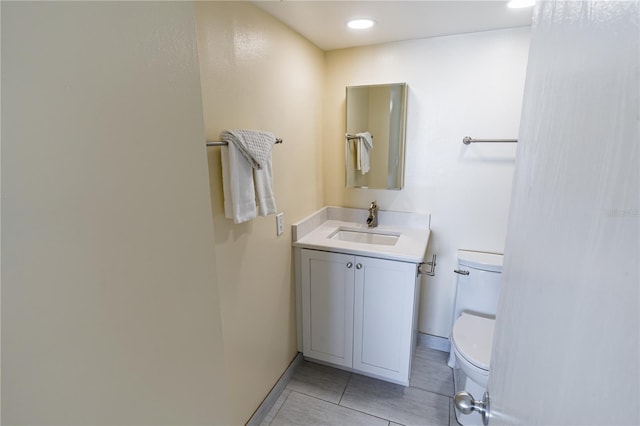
column 566, row 339
column 383, row 317
column 327, row 306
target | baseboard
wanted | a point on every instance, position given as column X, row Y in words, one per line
column 434, row 342
column 275, row 393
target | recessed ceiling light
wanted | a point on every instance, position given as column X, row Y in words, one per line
column 360, row 24
column 517, row 4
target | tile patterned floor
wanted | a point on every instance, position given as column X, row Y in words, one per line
column 321, row 395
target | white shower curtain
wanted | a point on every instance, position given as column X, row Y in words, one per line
column 566, row 340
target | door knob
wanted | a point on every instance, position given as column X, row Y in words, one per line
column 466, row 404
column 349, row 265
column 359, row 266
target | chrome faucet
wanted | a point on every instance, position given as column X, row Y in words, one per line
column 372, row 220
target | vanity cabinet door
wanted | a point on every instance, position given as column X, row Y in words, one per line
column 327, row 306
column 383, row 317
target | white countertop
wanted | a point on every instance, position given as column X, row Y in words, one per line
column 410, row 246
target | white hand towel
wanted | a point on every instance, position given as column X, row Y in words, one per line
column 249, row 177
column 237, row 185
column 263, row 181
column 364, row 145
column 255, row 145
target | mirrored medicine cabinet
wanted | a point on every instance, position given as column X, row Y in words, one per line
column 380, row 110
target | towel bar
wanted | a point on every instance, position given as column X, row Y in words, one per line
column 222, row 143
column 467, row 140
column 351, row 137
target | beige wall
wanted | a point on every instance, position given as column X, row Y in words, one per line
column 109, row 297
column 258, row 74
column 469, row 84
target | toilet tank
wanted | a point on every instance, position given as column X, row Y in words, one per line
column 478, row 292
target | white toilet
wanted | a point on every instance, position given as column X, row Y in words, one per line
column 471, row 338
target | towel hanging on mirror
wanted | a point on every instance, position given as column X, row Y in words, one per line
column 364, row 144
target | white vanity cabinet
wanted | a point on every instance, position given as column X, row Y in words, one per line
column 327, row 306
column 359, row 312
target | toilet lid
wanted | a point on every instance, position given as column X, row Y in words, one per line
column 479, row 260
column 472, row 336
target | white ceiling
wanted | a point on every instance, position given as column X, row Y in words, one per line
column 324, row 22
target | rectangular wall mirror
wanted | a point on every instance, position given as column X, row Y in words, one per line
column 378, row 111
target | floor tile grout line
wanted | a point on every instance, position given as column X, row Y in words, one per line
column 313, row 396
column 451, row 408
column 345, row 388
column 430, row 391
column 369, row 414
column 337, row 405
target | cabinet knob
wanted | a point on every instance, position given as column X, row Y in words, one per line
column 359, row 266
column 349, row 265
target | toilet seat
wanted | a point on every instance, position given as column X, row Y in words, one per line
column 472, row 337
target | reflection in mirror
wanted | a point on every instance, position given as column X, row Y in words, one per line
column 375, row 136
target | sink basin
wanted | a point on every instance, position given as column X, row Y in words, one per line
column 364, row 236
column 401, row 236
